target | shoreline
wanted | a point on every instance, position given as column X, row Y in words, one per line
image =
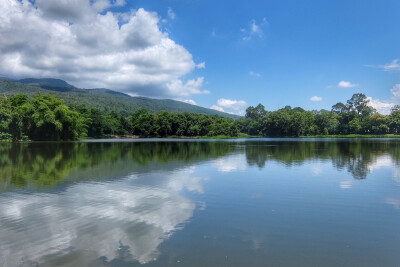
column 218, row 137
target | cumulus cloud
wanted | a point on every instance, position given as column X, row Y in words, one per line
column 230, row 106
column 191, row 87
column 380, row 106
column 215, row 107
column 316, row 98
column 346, row 84
column 84, row 43
column 254, row 29
column 385, row 107
column 190, row 101
column 255, row 74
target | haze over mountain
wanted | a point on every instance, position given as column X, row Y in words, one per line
column 101, row 98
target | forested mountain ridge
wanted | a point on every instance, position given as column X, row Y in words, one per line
column 103, row 99
column 49, row 83
column 45, row 117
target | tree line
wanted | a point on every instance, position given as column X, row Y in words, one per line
column 45, row 117
column 354, row 117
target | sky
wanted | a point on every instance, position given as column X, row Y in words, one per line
column 225, row 55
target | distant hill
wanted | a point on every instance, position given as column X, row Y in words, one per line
column 103, row 99
column 49, row 83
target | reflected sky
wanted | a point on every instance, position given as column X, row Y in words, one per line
column 127, row 218
column 230, row 203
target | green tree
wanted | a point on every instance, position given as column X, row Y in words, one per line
column 394, row 121
column 355, row 125
column 256, row 113
column 378, row 124
column 340, row 108
column 359, row 103
column 45, row 117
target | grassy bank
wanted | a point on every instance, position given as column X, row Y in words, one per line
column 241, row 135
column 356, row 136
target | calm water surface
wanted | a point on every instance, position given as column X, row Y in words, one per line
column 264, row 202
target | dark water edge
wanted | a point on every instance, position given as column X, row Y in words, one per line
column 169, row 202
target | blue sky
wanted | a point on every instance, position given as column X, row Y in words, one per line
column 272, row 52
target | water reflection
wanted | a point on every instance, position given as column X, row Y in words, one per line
column 103, row 203
column 96, row 222
column 359, row 157
column 42, row 165
column 47, row 164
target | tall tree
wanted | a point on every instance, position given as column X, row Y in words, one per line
column 359, row 103
column 256, row 112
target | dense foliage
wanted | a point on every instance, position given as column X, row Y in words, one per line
column 45, row 117
column 354, row 117
column 104, row 100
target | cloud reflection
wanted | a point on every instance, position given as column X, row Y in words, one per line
column 231, row 163
column 96, row 218
column 395, row 202
column 346, row 184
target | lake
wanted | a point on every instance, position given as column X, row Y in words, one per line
column 255, row 202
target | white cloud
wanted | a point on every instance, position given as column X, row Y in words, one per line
column 232, row 104
column 346, row 84
column 392, row 66
column 396, row 91
column 191, row 87
column 190, row 101
column 217, row 108
column 201, row 65
column 384, row 107
column 255, row 74
column 316, row 98
column 84, row 43
column 171, row 14
column 381, row 107
column 254, row 30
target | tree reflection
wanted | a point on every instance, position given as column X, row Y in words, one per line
column 355, row 155
column 47, row 164
column 42, row 165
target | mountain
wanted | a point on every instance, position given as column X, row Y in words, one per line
column 103, row 99
column 49, row 84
